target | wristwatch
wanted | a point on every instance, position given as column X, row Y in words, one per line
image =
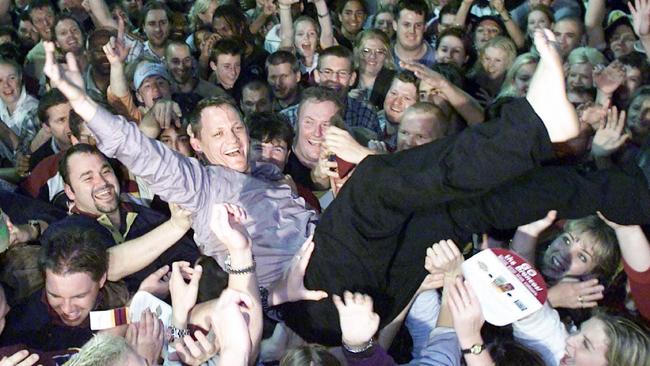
column 239, row 271
column 475, row 349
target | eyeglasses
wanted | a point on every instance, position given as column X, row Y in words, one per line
column 341, row 74
column 380, row 52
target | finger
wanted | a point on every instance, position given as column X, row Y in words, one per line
column 71, row 61
column 30, row 360
column 49, row 53
column 196, row 277
column 464, row 295
column 168, row 115
column 592, row 297
column 590, row 304
column 621, row 122
column 315, row 295
column 120, row 29
column 177, row 114
column 162, row 271
column 192, row 346
column 338, row 303
column 304, row 258
column 587, row 284
column 358, row 298
column 347, row 297
column 203, row 341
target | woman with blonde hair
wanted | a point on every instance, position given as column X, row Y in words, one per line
column 310, row 354
column 519, row 76
column 488, row 73
column 375, row 66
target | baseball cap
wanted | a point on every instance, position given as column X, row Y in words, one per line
column 507, row 287
column 147, row 69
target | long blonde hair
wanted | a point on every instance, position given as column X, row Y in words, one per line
column 500, row 42
column 628, row 342
column 508, row 89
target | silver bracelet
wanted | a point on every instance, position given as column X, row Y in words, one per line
column 359, row 349
column 233, row 271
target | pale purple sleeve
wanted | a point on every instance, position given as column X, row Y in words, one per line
column 172, row 176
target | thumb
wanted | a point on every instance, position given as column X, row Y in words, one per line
column 315, row 295
column 177, row 114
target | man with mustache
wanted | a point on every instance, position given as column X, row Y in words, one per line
column 335, row 72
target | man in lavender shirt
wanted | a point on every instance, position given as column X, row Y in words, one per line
column 391, row 209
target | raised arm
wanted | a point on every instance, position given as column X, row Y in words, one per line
column 641, row 21
column 468, row 107
column 511, row 27
column 116, row 52
column 594, row 17
column 174, row 178
column 268, row 10
column 325, row 21
column 286, row 24
column 101, row 15
column 133, row 255
column 463, row 11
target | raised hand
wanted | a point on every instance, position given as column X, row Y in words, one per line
column 67, row 77
column 466, row 312
column 640, row 17
column 608, row 79
column 269, row 8
column 157, row 283
column 534, row 228
column 425, row 74
column 291, row 287
column 284, row 4
column 343, row 145
column 20, row 358
column 226, row 224
column 147, row 336
column 183, row 294
column 610, row 136
column 116, row 49
column 230, row 326
column 592, row 114
column 576, row 295
column 547, row 90
column 498, row 5
column 445, row 258
column 358, row 322
column 194, row 352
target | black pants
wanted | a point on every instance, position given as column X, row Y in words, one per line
column 373, row 237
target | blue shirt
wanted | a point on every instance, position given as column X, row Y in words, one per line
column 427, row 60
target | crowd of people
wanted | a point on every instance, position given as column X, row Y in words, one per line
column 296, row 182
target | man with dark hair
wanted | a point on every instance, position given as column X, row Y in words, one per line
column 225, row 62
column 98, row 75
column 156, row 26
column 271, row 142
column 74, row 264
column 255, row 97
column 41, row 14
column 69, row 37
column 409, row 25
column 143, row 239
column 54, row 113
column 335, row 72
column 283, row 75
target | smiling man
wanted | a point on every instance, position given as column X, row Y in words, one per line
column 409, row 24
column 74, row 264
column 402, row 94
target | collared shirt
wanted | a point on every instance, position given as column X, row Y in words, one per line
column 277, row 218
column 427, row 60
column 23, row 121
column 91, row 88
column 357, row 114
column 149, row 53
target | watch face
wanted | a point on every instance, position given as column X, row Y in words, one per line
column 477, row 348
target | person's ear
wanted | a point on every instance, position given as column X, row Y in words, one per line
column 317, row 76
column 74, row 140
column 353, row 78
column 102, row 280
column 138, row 96
column 395, row 25
column 69, row 192
column 213, row 66
column 298, row 76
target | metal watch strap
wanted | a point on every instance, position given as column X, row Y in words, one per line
column 174, row 333
column 237, row 271
column 359, row 349
column 264, row 299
